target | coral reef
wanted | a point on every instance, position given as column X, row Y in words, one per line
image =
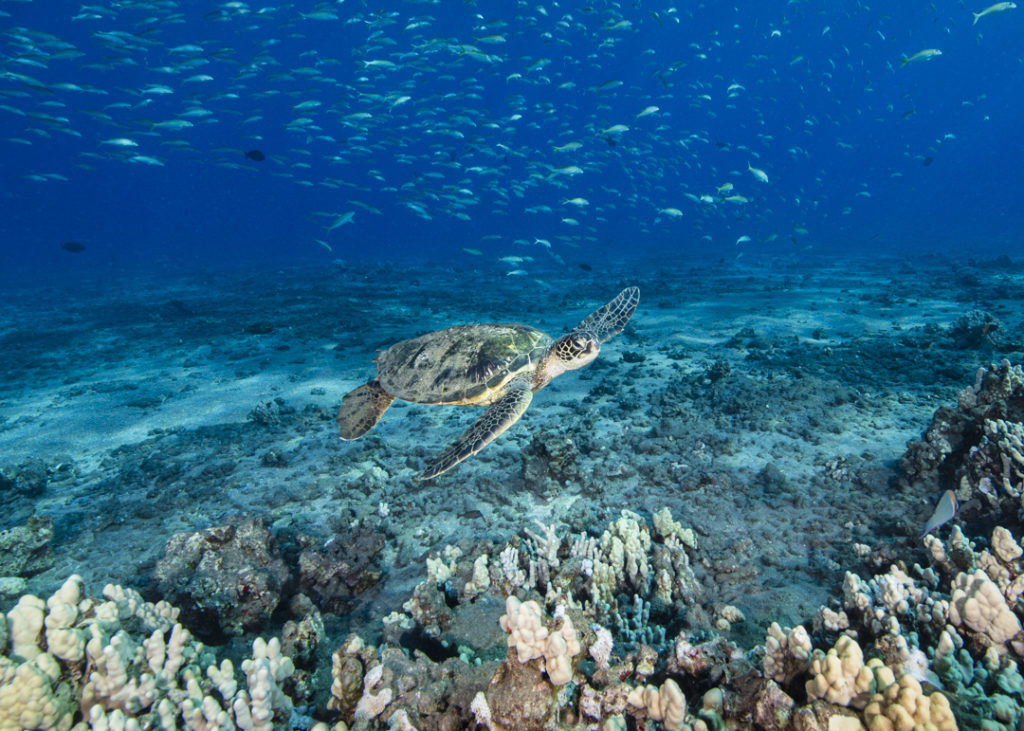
column 119, row 662
column 608, row 631
column 976, row 448
column 347, row 565
column 229, row 577
column 24, row 548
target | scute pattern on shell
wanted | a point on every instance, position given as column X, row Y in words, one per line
column 460, row 364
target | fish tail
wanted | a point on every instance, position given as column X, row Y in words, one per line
column 976, row 16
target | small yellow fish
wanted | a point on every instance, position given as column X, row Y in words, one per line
column 925, row 55
column 569, row 147
column 991, row 9
column 646, row 111
column 615, row 129
column 672, row 212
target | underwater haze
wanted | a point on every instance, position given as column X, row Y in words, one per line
column 428, row 366
column 451, row 125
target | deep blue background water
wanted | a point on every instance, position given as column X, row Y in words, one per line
column 825, row 109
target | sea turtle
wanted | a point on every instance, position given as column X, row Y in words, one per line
column 499, row 366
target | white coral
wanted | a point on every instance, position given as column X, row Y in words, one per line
column 787, row 652
column 977, row 603
column 526, row 631
column 840, row 675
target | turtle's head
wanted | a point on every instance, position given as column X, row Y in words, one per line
column 571, row 351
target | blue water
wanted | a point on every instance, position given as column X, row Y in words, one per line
column 822, row 106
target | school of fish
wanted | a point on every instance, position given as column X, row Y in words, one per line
column 526, row 114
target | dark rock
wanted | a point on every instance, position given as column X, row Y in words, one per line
column 269, row 413
column 226, row 580
column 772, row 480
column 28, row 479
column 975, row 329
column 520, row 696
column 346, row 566
column 551, row 456
column 25, row 549
column 717, row 370
column 300, row 639
column 273, row 458
column 258, row 328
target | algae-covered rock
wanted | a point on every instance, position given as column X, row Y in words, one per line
column 25, row 549
column 226, row 579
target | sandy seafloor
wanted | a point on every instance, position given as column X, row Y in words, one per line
column 766, row 403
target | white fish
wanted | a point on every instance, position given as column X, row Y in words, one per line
column 997, row 8
column 646, row 111
column 172, row 124
column 944, row 511
column 342, row 220
column 757, row 173
column 672, row 212
column 120, row 142
column 146, row 159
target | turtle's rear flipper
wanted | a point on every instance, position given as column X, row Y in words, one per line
column 499, row 416
column 608, row 321
column 361, row 409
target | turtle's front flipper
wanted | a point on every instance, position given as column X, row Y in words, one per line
column 609, row 321
column 361, row 409
column 499, row 416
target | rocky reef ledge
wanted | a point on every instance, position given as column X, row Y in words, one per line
column 553, row 631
